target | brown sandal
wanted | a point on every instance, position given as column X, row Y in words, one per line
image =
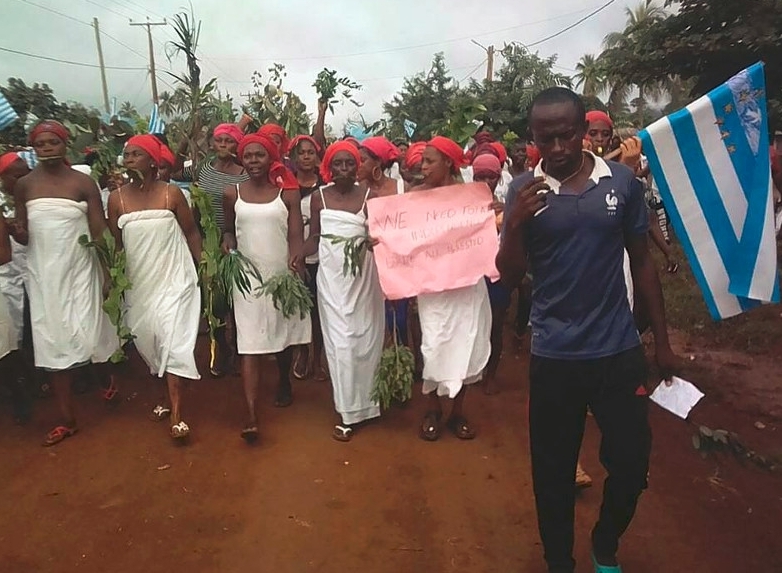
column 430, row 427
column 460, row 428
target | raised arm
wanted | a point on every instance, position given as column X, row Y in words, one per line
column 319, row 130
column 520, row 209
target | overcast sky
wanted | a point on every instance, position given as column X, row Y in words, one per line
column 375, row 43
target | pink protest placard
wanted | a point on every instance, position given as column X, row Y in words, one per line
column 433, row 241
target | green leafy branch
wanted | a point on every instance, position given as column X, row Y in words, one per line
column 355, row 250
column 289, row 294
column 327, row 84
column 114, row 262
column 394, row 374
column 234, row 272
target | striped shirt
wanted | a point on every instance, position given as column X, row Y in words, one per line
column 214, row 182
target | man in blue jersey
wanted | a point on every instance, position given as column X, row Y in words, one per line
column 568, row 222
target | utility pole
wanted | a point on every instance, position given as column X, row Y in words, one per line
column 102, row 66
column 490, row 63
column 489, row 60
column 149, row 25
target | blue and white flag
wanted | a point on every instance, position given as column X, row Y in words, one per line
column 8, row 114
column 156, row 123
column 711, row 163
column 410, row 127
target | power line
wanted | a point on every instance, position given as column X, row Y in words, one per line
column 475, row 69
column 428, row 44
column 109, row 36
column 56, row 12
column 64, row 61
column 106, row 8
column 568, row 28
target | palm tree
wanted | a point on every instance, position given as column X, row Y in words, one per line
column 643, row 15
column 128, row 110
column 590, row 75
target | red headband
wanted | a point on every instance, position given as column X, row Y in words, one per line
column 149, row 143
column 229, row 129
column 414, row 154
column 50, row 126
column 597, row 115
column 486, row 163
column 299, row 138
column 270, row 129
column 279, row 175
column 167, row 155
column 381, row 148
column 450, row 149
column 502, row 153
column 533, row 155
column 334, row 148
column 8, row 159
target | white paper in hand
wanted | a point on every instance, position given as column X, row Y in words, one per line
column 680, row 397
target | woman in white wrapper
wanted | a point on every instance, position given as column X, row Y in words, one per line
column 10, row 335
column 455, row 324
column 351, row 307
column 152, row 221
column 55, row 205
column 263, row 222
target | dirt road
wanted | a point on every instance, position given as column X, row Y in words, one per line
column 120, row 498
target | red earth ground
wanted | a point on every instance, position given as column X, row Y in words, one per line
column 120, row 498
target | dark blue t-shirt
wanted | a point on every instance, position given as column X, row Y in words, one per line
column 576, row 251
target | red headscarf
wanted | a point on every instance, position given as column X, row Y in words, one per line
column 381, row 148
column 50, row 126
column 597, row 115
column 486, row 163
column 450, row 149
column 167, row 155
column 149, row 143
column 299, row 138
column 270, row 129
column 279, row 175
column 333, row 149
column 414, row 154
column 230, row 129
column 8, row 159
column 502, row 153
column 483, row 137
column 533, row 155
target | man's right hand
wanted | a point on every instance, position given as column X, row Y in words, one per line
column 529, row 201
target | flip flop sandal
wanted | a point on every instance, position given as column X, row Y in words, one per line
column 301, row 371
column 460, row 428
column 342, row 433
column 180, row 431
column 111, row 393
column 673, row 268
column 58, row 434
column 250, row 433
column 430, row 427
column 160, row 413
column 284, row 398
column 605, row 568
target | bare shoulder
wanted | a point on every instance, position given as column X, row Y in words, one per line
column 175, row 193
